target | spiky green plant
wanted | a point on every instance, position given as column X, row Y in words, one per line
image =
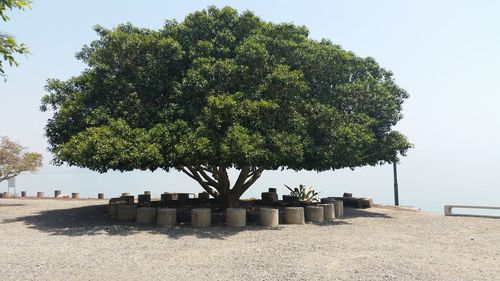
column 305, row 194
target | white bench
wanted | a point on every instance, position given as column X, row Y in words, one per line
column 448, row 210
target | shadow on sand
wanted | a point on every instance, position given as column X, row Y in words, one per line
column 353, row 213
column 94, row 220
column 11, row 205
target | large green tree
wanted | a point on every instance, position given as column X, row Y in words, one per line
column 8, row 44
column 223, row 89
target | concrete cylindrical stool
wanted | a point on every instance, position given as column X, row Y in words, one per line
column 113, row 207
column 57, row 193
column 314, row 214
column 128, row 198
column 75, row 195
column 290, row 199
column 146, row 215
column 143, row 198
column 204, row 196
column 100, row 195
column 328, row 211
column 294, row 215
column 23, row 193
column 201, row 217
column 268, row 217
column 328, row 200
column 125, row 194
column 171, row 196
column 182, row 197
column 163, row 199
column 269, row 197
column 236, row 217
column 147, row 192
column 167, row 217
column 339, row 208
column 127, row 212
column 40, row 194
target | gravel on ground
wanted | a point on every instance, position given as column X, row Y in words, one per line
column 77, row 240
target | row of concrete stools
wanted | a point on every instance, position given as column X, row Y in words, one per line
column 57, row 194
column 235, row 217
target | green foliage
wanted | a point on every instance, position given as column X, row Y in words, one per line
column 14, row 159
column 8, row 45
column 303, row 193
column 225, row 89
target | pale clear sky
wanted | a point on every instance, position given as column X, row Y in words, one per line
column 446, row 54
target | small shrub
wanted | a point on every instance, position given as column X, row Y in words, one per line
column 305, row 194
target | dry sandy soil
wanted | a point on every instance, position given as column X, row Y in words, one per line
column 75, row 240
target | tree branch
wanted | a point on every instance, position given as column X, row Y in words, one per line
column 254, row 170
column 188, row 173
column 194, row 175
column 241, row 178
column 255, row 175
column 207, row 168
column 9, row 175
column 211, row 181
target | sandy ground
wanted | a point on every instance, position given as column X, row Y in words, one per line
column 74, row 240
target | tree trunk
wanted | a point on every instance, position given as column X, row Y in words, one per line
column 218, row 184
column 230, row 199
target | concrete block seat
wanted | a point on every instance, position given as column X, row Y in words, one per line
column 113, row 207
column 201, row 217
column 236, row 217
column 127, row 212
column 314, row 214
column 448, row 210
column 339, row 208
column 328, row 211
column 268, row 217
column 294, row 215
column 146, row 215
column 166, row 217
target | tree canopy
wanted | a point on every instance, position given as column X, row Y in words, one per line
column 14, row 159
column 223, row 89
column 8, row 44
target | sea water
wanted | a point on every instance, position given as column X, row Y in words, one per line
column 428, row 180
